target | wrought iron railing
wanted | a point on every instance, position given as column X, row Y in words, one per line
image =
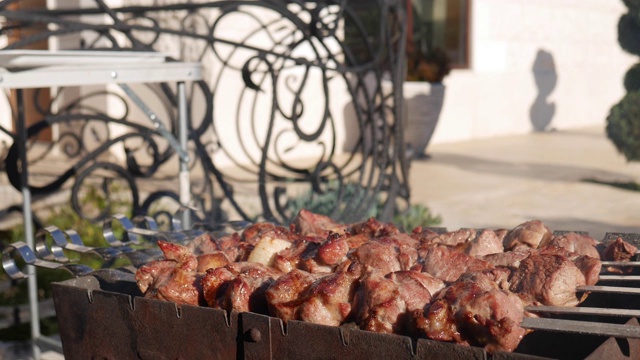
column 274, row 72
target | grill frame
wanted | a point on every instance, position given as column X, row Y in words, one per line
column 104, row 315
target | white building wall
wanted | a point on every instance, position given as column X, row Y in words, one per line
column 495, row 96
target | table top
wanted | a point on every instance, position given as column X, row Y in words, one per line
column 15, row 59
column 44, row 68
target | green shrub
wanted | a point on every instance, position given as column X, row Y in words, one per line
column 632, row 79
column 416, row 215
column 623, row 126
column 633, row 5
column 629, row 33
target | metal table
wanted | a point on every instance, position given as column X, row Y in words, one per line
column 23, row 69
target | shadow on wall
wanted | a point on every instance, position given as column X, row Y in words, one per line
column 545, row 76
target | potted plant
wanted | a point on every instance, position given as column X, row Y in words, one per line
column 424, row 96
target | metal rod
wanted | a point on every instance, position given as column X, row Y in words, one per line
column 156, row 122
column 621, row 263
column 582, row 327
column 32, row 282
column 584, row 311
column 619, row 278
column 183, row 137
column 609, row 289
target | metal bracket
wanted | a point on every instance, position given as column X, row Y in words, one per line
column 173, row 142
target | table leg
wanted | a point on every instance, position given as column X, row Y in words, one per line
column 183, row 138
column 32, row 283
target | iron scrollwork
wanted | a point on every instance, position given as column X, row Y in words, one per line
column 283, row 78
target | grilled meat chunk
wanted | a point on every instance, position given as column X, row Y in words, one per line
column 259, row 231
column 328, row 300
column 549, row 279
column 447, row 264
column 308, row 223
column 619, row 250
column 509, row 259
column 212, row 261
column 174, row 279
column 229, row 245
column 576, row 243
column 453, row 238
column 475, row 311
column 528, row 235
column 313, row 254
column 385, row 255
column 374, row 228
column 589, row 266
column 386, row 303
column 323, row 272
column 485, row 242
column 284, row 295
column 240, row 286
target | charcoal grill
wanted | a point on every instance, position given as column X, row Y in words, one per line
column 102, row 314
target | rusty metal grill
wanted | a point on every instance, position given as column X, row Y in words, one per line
column 103, row 315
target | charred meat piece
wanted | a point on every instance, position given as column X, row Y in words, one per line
column 328, row 300
column 385, row 255
column 230, row 245
column 174, row 279
column 240, row 286
column 424, row 235
column 449, row 238
column 549, row 279
column 308, row 223
column 474, row 311
column 447, row 264
column 386, row 303
column 509, row 259
column 619, row 250
column 212, row 261
column 374, row 228
column 265, row 240
column 212, row 253
column 259, row 231
column 589, row 266
column 485, row 242
column 288, row 259
column 284, row 295
column 575, row 243
column 501, row 234
column 315, row 256
column 529, row 235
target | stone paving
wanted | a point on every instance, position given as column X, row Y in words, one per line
column 502, row 182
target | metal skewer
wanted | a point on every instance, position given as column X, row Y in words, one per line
column 584, row 311
column 582, row 327
column 609, row 289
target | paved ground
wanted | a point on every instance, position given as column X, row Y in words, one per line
column 502, row 182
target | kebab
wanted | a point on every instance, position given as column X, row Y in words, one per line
column 459, row 286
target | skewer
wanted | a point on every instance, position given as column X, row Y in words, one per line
column 582, row 327
column 584, row 311
column 619, row 277
column 609, row 289
column 621, row 263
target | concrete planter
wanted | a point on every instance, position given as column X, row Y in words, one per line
column 422, row 106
